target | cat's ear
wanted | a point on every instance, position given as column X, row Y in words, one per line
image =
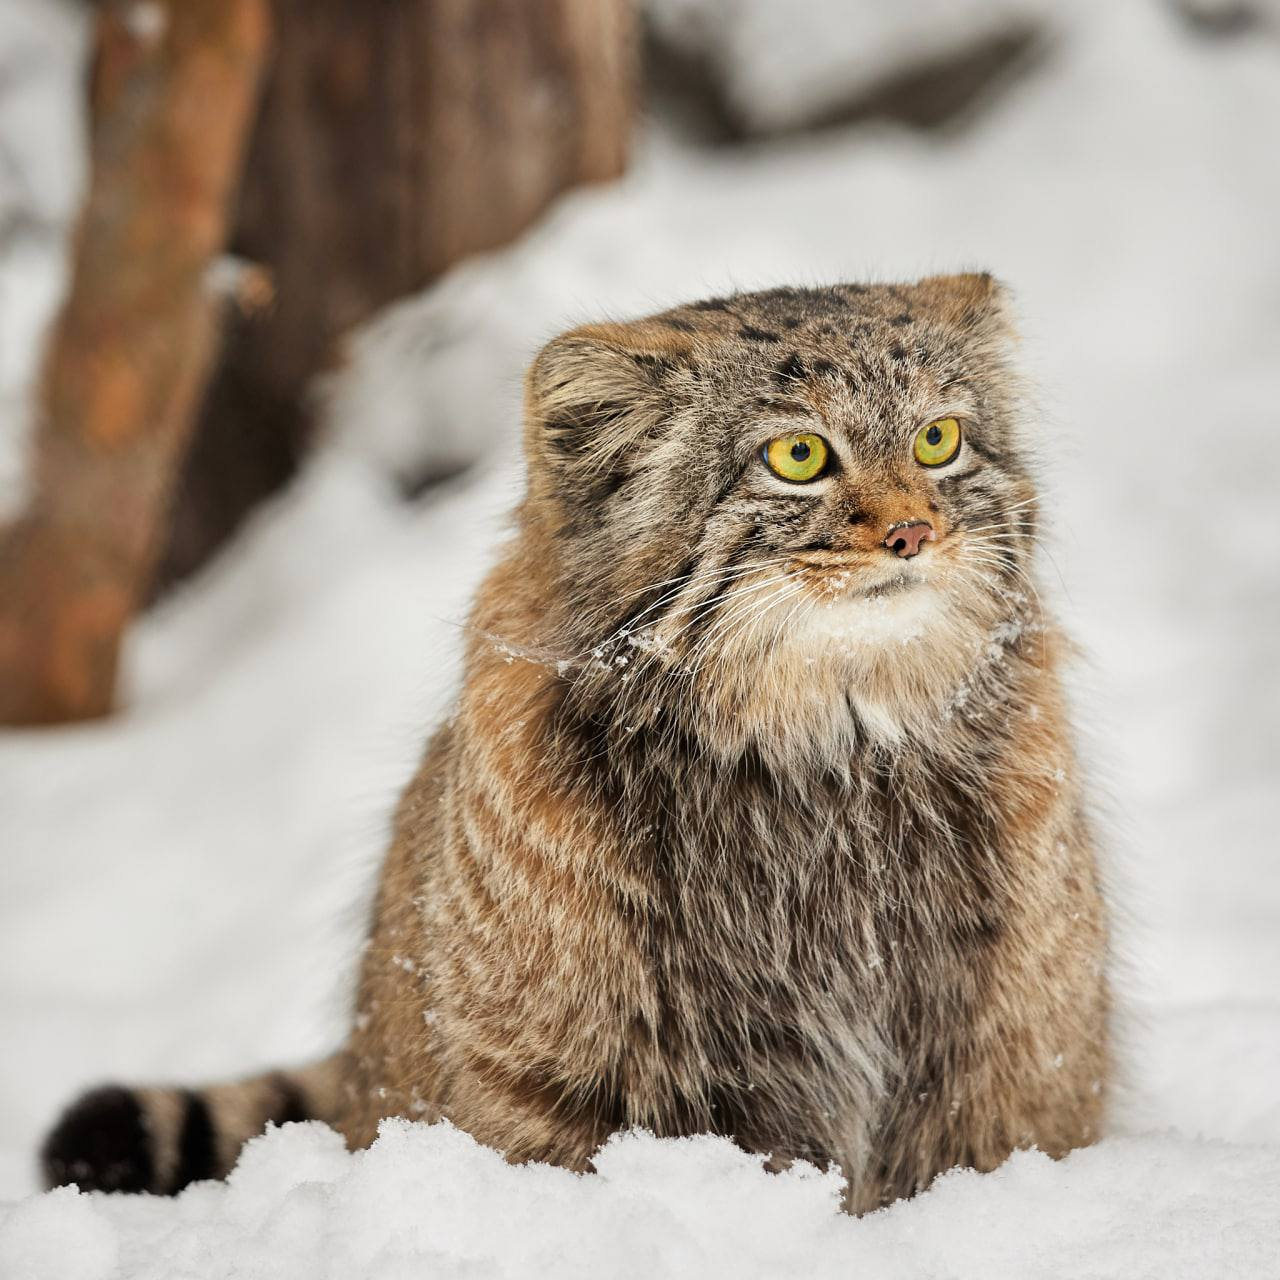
column 974, row 301
column 594, row 392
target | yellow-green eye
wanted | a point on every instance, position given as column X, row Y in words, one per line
column 937, row 443
column 799, row 458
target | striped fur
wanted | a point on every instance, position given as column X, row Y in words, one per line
column 162, row 1140
column 741, row 824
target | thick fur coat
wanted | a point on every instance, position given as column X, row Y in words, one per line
column 746, row 820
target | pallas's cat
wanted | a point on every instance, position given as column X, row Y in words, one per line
column 758, row 812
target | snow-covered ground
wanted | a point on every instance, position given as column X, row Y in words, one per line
column 182, row 889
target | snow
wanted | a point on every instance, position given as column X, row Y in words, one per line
column 429, row 1201
column 182, row 889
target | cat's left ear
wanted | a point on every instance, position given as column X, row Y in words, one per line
column 974, row 301
column 593, row 393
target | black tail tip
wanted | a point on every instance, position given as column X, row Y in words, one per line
column 100, row 1144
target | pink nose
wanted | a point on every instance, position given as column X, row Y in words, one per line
column 905, row 539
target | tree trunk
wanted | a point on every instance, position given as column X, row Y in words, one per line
column 396, row 137
column 175, row 85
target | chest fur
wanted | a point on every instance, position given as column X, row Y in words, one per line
column 797, row 939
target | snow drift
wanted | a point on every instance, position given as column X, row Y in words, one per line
column 429, row 1202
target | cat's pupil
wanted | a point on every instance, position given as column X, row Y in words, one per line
column 933, row 435
column 799, row 451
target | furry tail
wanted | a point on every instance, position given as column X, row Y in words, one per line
column 161, row 1140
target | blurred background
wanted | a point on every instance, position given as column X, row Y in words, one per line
column 270, row 272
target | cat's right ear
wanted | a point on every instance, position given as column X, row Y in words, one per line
column 973, row 301
column 592, row 394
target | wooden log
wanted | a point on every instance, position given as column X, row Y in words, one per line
column 395, row 138
column 175, row 87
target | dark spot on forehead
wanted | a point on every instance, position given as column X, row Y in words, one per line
column 903, row 318
column 790, row 322
column 752, row 334
column 824, row 368
column 791, row 369
column 897, row 352
column 807, row 303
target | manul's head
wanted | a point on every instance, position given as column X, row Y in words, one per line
column 795, row 514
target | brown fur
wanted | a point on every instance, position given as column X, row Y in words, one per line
column 692, row 862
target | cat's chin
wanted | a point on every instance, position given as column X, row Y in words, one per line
column 895, row 609
column 896, row 652
column 900, row 657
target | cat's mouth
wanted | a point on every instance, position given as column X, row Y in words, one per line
column 860, row 581
column 889, row 587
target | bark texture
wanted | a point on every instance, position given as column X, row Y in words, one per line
column 174, row 89
column 396, row 137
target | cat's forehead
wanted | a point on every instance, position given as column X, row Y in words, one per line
column 834, row 312
column 847, row 352
column 866, row 361
column 772, row 314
